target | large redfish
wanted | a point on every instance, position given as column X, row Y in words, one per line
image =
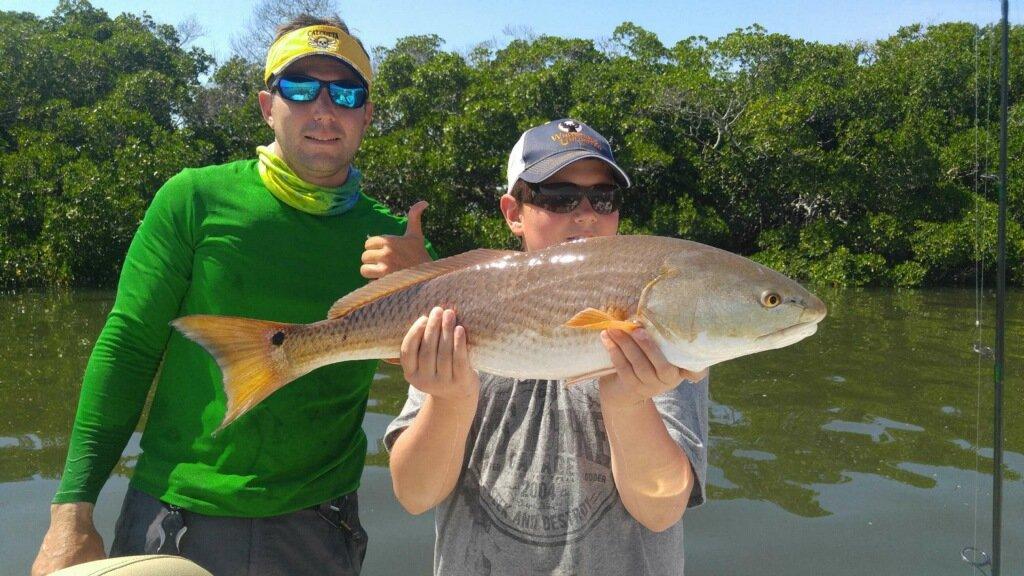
column 531, row 314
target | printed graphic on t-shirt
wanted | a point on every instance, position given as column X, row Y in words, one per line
column 544, row 479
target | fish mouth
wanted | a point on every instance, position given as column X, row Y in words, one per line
column 790, row 334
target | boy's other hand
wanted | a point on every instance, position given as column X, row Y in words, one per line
column 641, row 370
column 435, row 358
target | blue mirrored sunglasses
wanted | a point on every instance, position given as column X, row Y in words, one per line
column 344, row 93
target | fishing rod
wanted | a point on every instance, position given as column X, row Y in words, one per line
column 997, row 444
column 970, row 554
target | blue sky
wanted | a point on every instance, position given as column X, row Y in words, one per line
column 465, row 23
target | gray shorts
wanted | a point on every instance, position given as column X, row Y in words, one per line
column 324, row 539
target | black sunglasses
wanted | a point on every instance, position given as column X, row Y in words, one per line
column 344, row 93
column 564, row 197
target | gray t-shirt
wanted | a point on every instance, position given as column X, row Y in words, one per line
column 536, row 493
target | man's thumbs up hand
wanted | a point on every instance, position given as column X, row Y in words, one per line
column 415, row 225
column 383, row 255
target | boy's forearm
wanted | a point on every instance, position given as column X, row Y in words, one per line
column 652, row 473
column 426, row 459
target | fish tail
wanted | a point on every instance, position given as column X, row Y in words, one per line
column 249, row 355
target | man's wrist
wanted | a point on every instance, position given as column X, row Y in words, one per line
column 72, row 512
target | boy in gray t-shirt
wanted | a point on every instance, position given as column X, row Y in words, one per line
column 533, row 476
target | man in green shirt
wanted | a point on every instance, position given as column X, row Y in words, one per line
column 278, row 237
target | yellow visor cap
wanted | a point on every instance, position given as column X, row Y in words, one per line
column 317, row 40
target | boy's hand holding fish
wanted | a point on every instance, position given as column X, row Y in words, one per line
column 641, row 370
column 435, row 359
column 652, row 473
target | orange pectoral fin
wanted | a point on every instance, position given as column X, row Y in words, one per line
column 594, row 319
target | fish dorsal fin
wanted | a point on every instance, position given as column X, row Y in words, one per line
column 594, row 319
column 410, row 276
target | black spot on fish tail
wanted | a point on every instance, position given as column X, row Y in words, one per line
column 278, row 338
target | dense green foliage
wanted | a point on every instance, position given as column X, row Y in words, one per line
column 843, row 164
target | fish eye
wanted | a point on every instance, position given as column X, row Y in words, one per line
column 770, row 299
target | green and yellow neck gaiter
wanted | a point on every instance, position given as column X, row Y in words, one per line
column 301, row 195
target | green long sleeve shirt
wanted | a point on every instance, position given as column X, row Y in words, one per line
column 215, row 241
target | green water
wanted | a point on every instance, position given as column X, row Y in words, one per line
column 865, row 449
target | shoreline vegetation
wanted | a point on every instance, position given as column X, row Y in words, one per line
column 857, row 164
